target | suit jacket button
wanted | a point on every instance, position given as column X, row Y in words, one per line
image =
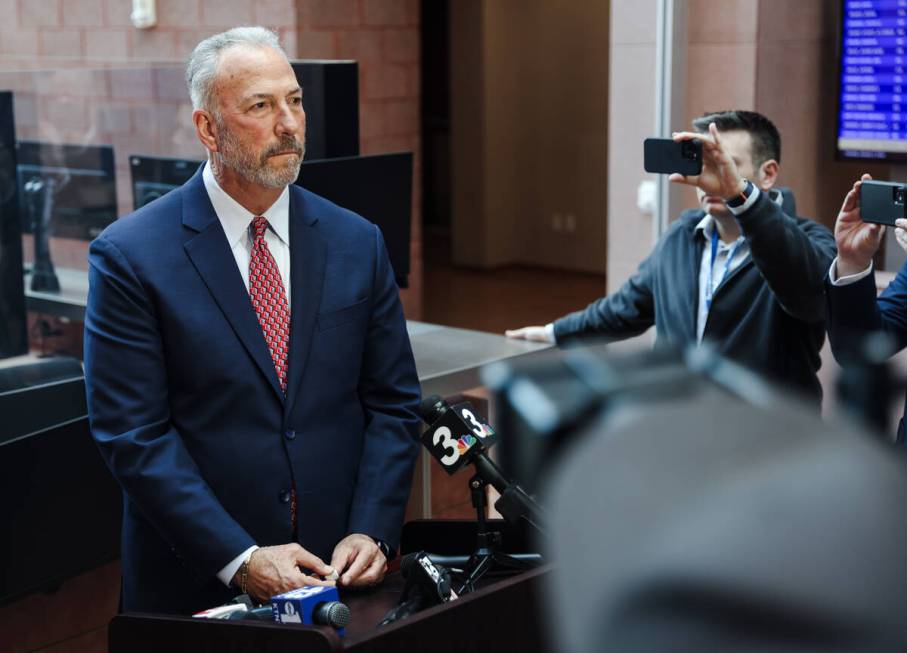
column 284, row 496
column 290, row 434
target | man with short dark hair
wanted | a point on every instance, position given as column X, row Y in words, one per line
column 250, row 379
column 741, row 273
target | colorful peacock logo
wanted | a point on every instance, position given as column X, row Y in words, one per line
column 465, row 443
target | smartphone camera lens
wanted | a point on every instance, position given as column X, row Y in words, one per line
column 899, row 195
column 688, row 151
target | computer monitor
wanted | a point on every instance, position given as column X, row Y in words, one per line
column 330, row 97
column 155, row 176
column 377, row 187
column 13, row 340
column 71, row 188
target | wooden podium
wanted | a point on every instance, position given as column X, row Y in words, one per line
column 503, row 615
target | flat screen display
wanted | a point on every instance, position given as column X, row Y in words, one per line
column 379, row 188
column 71, row 188
column 13, row 339
column 872, row 97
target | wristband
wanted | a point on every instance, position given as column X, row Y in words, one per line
column 740, row 198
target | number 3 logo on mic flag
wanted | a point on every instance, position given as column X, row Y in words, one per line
column 480, row 428
column 449, row 442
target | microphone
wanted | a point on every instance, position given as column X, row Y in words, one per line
column 423, row 574
column 456, row 437
column 312, row 605
column 427, row 584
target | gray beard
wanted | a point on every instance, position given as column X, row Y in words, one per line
column 256, row 169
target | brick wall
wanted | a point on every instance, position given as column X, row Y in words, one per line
column 93, row 78
column 76, row 33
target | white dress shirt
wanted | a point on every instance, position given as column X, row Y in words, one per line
column 850, row 278
column 236, row 220
column 714, row 271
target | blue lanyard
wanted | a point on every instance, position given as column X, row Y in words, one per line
column 727, row 265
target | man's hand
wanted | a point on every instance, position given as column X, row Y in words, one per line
column 359, row 561
column 719, row 175
column 857, row 240
column 534, row 333
column 900, row 233
column 275, row 569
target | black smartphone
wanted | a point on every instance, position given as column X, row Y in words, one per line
column 665, row 156
column 882, row 202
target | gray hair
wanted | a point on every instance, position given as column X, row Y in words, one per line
column 202, row 65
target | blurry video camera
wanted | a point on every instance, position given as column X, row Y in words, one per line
column 545, row 404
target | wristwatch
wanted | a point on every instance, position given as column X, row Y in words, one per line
column 385, row 548
column 742, row 196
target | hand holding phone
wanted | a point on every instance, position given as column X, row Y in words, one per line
column 666, row 156
column 717, row 172
column 857, row 240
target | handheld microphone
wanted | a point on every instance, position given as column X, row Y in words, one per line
column 456, row 437
column 427, row 584
column 332, row 613
column 433, row 580
column 312, row 605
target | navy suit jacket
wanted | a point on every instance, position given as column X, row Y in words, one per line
column 854, row 311
column 186, row 407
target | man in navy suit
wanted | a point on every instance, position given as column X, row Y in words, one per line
column 853, row 309
column 250, row 379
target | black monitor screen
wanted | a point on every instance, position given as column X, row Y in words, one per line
column 13, row 340
column 330, row 97
column 872, row 82
column 377, row 187
column 70, row 187
column 155, row 176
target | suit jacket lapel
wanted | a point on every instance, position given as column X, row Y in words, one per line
column 308, row 253
column 210, row 253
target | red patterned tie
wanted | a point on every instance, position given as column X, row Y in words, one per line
column 269, row 299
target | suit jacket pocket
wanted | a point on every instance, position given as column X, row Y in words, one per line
column 333, row 319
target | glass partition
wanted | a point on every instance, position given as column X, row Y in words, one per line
column 75, row 132
column 89, row 145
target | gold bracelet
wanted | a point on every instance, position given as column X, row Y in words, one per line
column 244, row 574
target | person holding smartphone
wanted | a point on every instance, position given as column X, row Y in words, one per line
column 854, row 310
column 741, row 272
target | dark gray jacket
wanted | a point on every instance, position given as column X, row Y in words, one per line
column 768, row 313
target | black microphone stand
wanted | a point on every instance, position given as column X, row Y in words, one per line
column 514, row 505
column 487, row 554
column 39, row 198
